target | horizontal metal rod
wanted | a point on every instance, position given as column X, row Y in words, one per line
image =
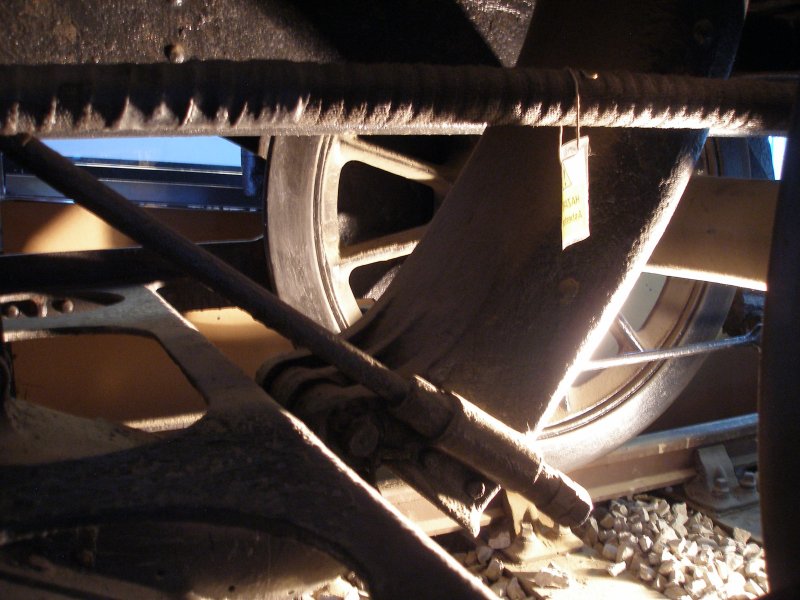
column 212, row 271
column 635, row 358
column 278, row 97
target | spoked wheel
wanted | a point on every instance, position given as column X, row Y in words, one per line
column 344, row 211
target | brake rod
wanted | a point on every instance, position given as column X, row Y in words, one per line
column 268, row 97
column 451, row 423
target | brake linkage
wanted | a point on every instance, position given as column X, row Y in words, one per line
column 449, row 422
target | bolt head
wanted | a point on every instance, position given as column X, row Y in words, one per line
column 362, row 438
column 703, row 32
column 749, row 480
column 568, row 290
column 720, row 487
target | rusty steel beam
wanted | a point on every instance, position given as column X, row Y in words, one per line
column 279, row 97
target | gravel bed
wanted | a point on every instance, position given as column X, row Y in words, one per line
column 668, row 547
column 677, row 551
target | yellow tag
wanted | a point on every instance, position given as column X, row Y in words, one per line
column 574, row 191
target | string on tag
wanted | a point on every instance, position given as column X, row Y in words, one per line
column 574, row 159
column 574, row 76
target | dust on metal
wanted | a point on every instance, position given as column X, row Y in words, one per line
column 279, row 97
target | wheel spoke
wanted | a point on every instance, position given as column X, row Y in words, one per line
column 625, row 336
column 387, row 247
column 354, row 149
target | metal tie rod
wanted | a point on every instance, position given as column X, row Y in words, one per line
column 634, row 358
column 278, row 97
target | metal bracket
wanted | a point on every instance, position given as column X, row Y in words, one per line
column 716, row 486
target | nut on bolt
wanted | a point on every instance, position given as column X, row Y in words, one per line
column 720, row 488
column 568, row 290
column 749, row 480
column 362, row 437
column 64, row 305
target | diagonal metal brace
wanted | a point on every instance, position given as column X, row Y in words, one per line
column 467, row 433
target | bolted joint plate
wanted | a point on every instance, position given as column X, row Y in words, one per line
column 716, row 486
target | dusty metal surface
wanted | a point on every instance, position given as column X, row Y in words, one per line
column 120, row 561
column 246, row 451
column 258, row 98
column 113, row 31
column 465, row 432
column 223, row 452
column 649, row 461
column 365, row 434
column 526, row 291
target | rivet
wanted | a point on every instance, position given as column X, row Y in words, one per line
column 175, row 53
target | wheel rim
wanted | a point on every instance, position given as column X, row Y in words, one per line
column 337, row 262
